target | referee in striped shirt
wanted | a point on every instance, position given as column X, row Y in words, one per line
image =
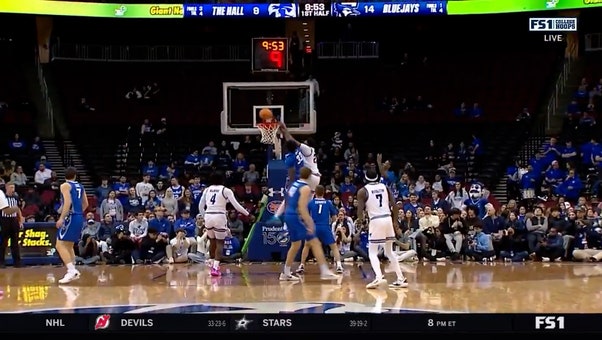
column 11, row 221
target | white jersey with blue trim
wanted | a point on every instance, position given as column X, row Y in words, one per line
column 377, row 203
column 310, row 159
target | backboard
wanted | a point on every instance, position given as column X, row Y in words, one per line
column 291, row 103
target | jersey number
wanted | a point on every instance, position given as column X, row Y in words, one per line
column 79, row 193
column 320, row 209
column 212, row 199
column 380, row 200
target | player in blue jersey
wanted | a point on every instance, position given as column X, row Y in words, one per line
column 71, row 222
column 301, row 227
column 322, row 211
column 293, row 159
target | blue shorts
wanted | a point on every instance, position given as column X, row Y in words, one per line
column 72, row 229
column 324, row 234
column 296, row 228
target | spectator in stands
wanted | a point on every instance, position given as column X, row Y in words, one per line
column 176, row 188
column 88, row 250
column 236, row 226
column 120, row 248
column 480, row 248
column 106, row 228
column 138, row 227
column 512, row 246
column 170, row 202
column 153, row 201
column 231, row 250
column 160, row 222
column 343, row 220
column 251, row 176
column 43, row 160
column 18, row 177
column 360, row 242
column 42, row 175
column 143, row 188
column 193, row 160
column 210, row 148
column 122, row 190
column 178, row 248
column 52, row 183
column 167, row 173
column 187, row 203
column 102, row 191
column 537, row 227
column 91, row 227
column 457, row 196
column 476, row 111
column 17, row 146
column 112, row 207
column 151, row 169
column 453, row 230
column 549, row 248
column 37, row 148
column 134, row 203
column 588, row 243
column 554, row 176
column 152, row 248
column 188, row 224
column 571, row 187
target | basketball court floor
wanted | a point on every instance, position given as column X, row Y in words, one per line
column 254, row 288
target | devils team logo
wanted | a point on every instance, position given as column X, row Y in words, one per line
column 273, row 206
column 102, row 322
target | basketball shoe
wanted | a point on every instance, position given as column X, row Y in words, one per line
column 378, row 282
column 70, row 276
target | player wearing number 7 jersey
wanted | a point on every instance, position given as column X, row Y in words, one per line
column 71, row 222
column 377, row 201
column 215, row 198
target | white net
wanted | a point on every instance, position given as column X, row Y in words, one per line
column 269, row 133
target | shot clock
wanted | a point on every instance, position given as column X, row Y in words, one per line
column 270, row 54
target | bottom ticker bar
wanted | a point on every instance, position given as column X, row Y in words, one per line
column 298, row 323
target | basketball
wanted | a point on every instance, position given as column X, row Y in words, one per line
column 266, row 114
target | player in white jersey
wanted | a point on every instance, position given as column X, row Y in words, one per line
column 215, row 198
column 310, row 159
column 377, row 201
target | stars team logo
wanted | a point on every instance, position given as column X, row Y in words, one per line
column 242, row 323
column 102, row 322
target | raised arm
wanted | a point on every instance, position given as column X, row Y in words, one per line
column 287, row 135
column 232, row 199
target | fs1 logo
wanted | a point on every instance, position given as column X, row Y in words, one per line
column 552, row 24
column 549, row 322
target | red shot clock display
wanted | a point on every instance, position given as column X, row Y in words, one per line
column 270, row 54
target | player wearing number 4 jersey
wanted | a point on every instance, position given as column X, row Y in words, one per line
column 71, row 222
column 215, row 198
column 377, row 200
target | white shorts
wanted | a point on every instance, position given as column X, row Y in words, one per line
column 313, row 181
column 216, row 225
column 380, row 230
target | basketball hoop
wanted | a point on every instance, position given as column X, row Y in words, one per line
column 269, row 132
